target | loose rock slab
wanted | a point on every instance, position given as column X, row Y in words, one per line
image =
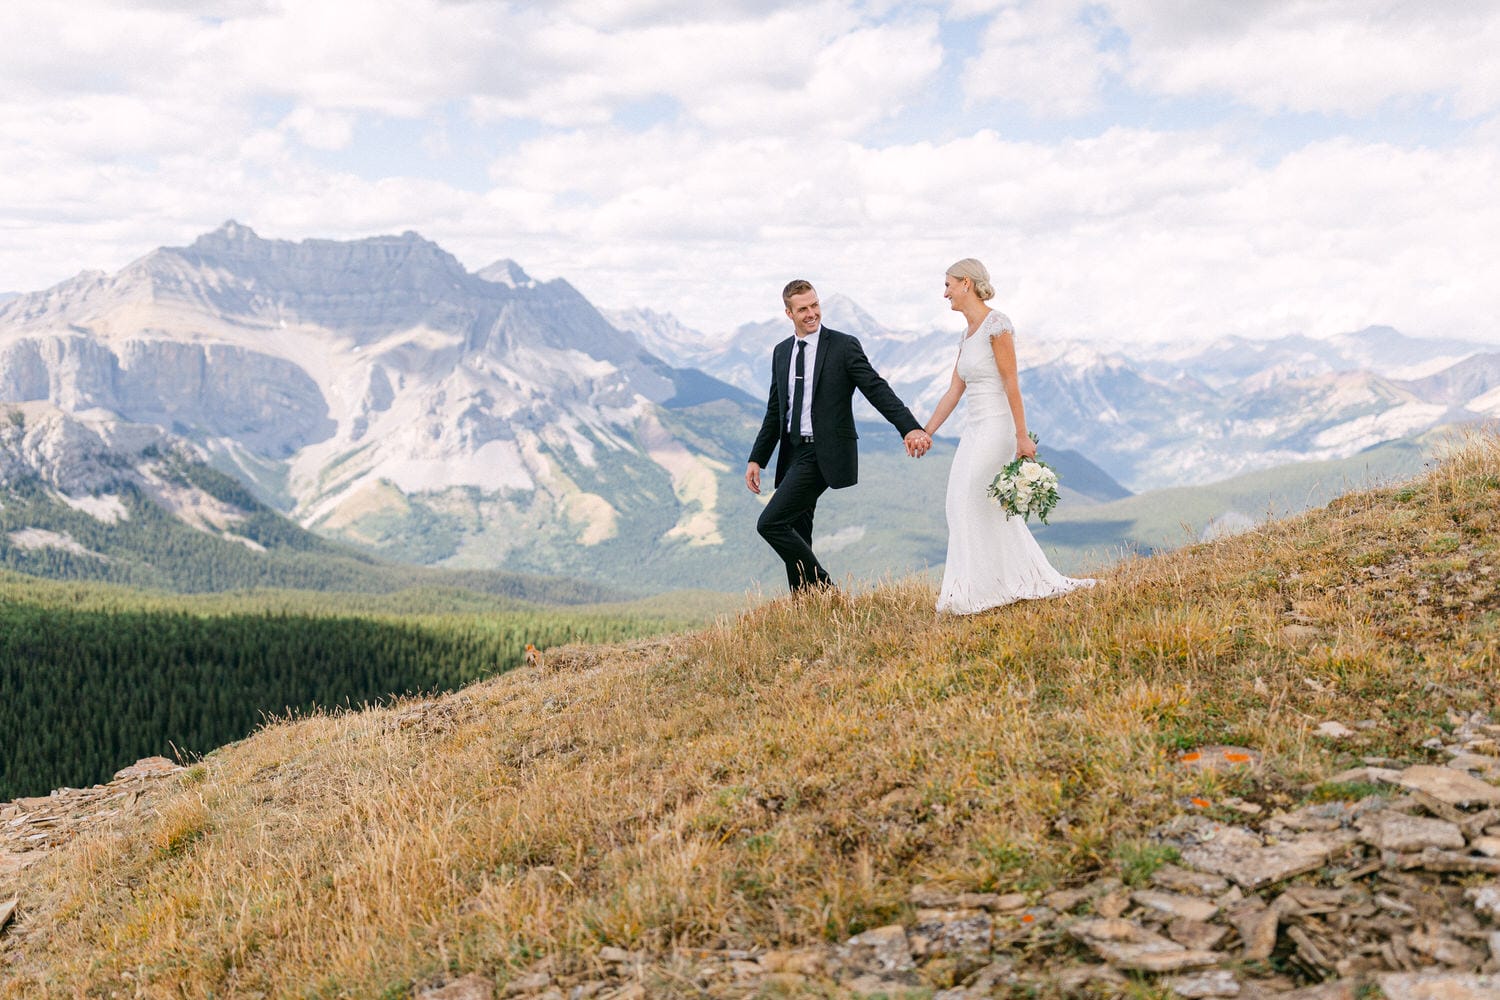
column 1177, row 879
column 471, row 987
column 1455, row 788
column 1194, row 934
column 1215, row 983
column 1257, row 924
column 147, row 767
column 1130, row 946
column 1483, row 763
column 1243, row 859
column 1391, row 831
column 1176, row 905
column 7, row 910
column 884, row 950
column 951, row 932
column 1438, row 986
column 1368, row 774
column 1335, row 730
column 1485, row 899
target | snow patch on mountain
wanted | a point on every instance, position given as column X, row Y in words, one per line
column 1431, row 366
column 41, row 538
column 1488, row 403
column 842, row 539
column 494, row 466
column 1371, row 429
column 695, row 481
column 107, row 508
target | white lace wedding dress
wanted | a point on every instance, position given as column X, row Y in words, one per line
column 992, row 559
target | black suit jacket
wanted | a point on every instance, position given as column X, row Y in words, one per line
column 839, row 369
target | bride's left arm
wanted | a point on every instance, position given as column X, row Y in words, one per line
column 1004, row 346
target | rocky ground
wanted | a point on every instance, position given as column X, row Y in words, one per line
column 31, row 827
column 1394, row 890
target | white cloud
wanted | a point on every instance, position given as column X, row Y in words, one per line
column 1044, row 54
column 851, row 81
column 1329, row 56
column 88, row 48
column 128, row 129
column 1313, row 56
column 644, row 13
column 327, row 130
column 400, row 57
column 818, row 67
column 1136, row 234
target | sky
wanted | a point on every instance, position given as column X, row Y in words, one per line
column 1129, row 170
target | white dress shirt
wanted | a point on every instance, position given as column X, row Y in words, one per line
column 808, row 357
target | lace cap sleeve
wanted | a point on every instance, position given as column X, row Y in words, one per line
column 997, row 323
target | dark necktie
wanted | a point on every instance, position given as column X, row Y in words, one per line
column 795, row 424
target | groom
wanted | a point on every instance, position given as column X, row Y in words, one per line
column 809, row 415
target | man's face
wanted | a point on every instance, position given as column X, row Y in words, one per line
column 805, row 312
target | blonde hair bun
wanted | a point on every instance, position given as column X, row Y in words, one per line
column 975, row 272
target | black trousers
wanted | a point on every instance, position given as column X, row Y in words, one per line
column 787, row 522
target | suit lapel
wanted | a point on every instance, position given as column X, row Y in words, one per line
column 825, row 348
column 782, row 358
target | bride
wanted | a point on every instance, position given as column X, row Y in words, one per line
column 992, row 559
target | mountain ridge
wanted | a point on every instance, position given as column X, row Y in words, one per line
column 1158, row 417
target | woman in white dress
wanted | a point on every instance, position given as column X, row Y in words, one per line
column 992, row 559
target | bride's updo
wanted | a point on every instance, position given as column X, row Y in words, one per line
column 975, row 272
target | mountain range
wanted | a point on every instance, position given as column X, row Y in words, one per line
column 1155, row 417
column 378, row 393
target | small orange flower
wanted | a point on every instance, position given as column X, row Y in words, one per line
column 1200, row 803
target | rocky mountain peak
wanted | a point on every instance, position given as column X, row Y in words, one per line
column 406, row 260
column 506, row 272
column 842, row 313
column 231, row 232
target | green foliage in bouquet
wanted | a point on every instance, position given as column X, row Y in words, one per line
column 1026, row 486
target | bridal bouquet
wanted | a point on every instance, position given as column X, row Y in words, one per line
column 1024, row 487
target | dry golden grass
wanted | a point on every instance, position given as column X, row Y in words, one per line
column 782, row 777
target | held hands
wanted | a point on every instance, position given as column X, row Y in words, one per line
column 917, row 444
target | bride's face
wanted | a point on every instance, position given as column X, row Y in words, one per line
column 955, row 290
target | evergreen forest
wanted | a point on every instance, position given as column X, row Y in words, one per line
column 95, row 678
column 138, row 635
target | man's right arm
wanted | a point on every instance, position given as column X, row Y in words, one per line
column 765, row 441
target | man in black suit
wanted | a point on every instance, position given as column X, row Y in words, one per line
column 811, row 417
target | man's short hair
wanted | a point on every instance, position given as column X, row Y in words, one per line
column 796, row 287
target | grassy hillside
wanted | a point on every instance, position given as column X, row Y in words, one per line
column 782, row 777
